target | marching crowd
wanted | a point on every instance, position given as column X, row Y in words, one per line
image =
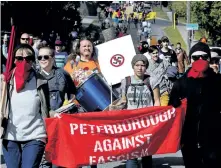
column 44, row 76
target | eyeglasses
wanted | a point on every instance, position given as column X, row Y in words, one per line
column 197, row 57
column 215, row 61
column 27, row 59
column 46, row 57
column 155, row 53
column 25, row 39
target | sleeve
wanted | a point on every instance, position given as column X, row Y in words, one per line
column 186, row 57
column 4, row 51
column 175, row 95
column 154, row 82
column 123, row 87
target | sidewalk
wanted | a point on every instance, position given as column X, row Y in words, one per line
column 181, row 27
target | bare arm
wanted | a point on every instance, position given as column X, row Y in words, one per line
column 156, row 95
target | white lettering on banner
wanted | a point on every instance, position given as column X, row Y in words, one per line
column 122, row 143
column 126, row 126
column 132, row 155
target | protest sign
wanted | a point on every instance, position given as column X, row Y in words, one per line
column 115, row 58
column 101, row 137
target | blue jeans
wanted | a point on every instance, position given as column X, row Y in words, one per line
column 146, row 162
column 26, row 154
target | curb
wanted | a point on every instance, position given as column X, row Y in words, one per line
column 162, row 19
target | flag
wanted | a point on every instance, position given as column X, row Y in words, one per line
column 10, row 60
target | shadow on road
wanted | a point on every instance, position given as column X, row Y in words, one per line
column 165, row 162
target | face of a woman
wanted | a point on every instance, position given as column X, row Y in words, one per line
column 86, row 49
column 24, row 55
column 155, row 55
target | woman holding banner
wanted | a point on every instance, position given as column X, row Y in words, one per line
column 24, row 135
column 139, row 91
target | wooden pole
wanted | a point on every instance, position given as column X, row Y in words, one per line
column 4, row 84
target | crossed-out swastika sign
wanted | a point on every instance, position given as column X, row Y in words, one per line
column 117, row 60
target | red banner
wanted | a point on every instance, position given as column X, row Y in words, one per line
column 100, row 137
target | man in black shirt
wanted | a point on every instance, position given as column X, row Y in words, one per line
column 167, row 53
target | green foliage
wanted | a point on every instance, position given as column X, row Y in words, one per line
column 207, row 15
column 178, row 7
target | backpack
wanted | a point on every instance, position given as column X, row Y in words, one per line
column 146, row 82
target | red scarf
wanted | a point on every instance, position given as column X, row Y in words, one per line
column 198, row 69
column 22, row 72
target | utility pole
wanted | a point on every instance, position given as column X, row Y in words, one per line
column 188, row 21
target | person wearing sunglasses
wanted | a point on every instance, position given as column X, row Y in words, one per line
column 215, row 61
column 24, row 135
column 59, row 85
column 24, row 38
column 201, row 86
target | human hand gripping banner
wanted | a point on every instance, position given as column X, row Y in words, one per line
column 76, row 140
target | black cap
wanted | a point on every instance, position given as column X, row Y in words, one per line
column 203, row 47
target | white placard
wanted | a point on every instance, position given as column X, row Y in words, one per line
column 115, row 58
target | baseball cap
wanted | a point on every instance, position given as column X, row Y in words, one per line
column 58, row 43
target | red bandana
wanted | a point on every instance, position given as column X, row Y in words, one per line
column 21, row 74
column 198, row 69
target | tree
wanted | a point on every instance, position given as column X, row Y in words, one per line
column 207, row 15
column 179, row 7
column 42, row 16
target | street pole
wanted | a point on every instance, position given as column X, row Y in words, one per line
column 188, row 21
column 174, row 20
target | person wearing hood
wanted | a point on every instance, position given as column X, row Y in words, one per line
column 200, row 85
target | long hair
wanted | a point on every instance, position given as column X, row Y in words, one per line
column 77, row 52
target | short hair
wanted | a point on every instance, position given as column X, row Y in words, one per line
column 152, row 48
column 26, row 47
column 48, row 48
column 178, row 43
column 25, row 33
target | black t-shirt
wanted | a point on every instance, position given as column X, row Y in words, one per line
column 170, row 55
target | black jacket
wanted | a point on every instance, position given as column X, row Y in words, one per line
column 203, row 116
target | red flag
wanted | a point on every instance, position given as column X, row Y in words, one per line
column 10, row 59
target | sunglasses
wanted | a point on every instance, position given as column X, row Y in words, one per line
column 46, row 57
column 197, row 57
column 215, row 61
column 25, row 39
column 27, row 59
column 165, row 41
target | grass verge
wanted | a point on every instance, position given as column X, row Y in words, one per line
column 175, row 36
column 160, row 13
